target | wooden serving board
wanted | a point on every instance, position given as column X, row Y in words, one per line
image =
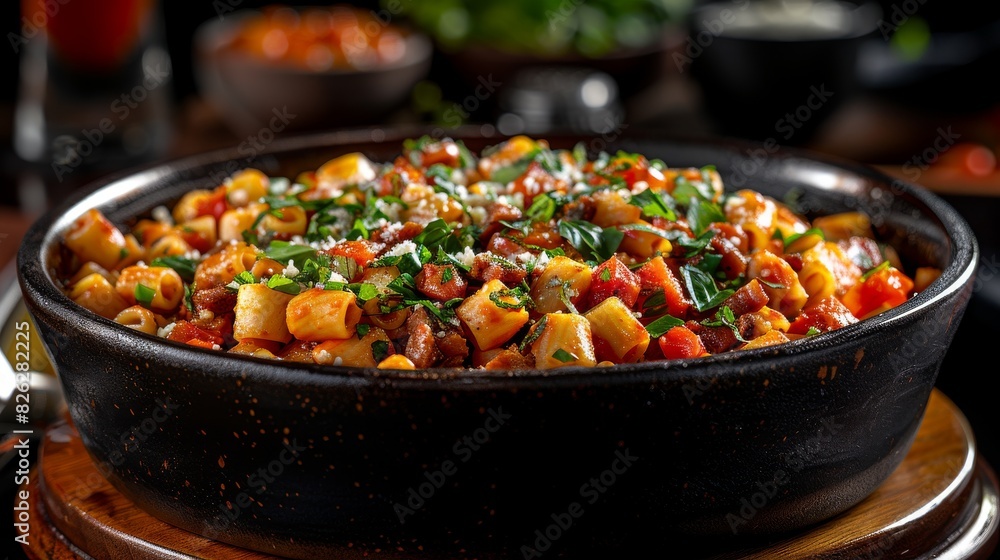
column 941, row 502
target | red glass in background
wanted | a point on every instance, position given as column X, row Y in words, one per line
column 94, row 36
column 95, row 91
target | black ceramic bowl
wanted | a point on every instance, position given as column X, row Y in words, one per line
column 336, row 462
column 250, row 92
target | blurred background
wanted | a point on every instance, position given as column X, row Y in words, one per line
column 97, row 85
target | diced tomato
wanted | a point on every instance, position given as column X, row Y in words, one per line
column 534, row 181
column 507, row 248
column 188, row 333
column 655, row 275
column 628, row 168
column 441, row 282
column 196, row 240
column 445, row 152
column 402, row 173
column 748, row 298
column 485, row 268
column 603, row 350
column 613, row 278
column 543, row 235
column 213, row 205
column 360, row 251
column 884, row 289
column 495, row 213
column 680, row 343
column 826, row 315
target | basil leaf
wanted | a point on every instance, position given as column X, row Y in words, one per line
column 283, row 251
column 725, row 317
column 521, row 298
column 653, row 204
column 405, row 285
column 443, row 257
column 796, row 236
column 883, row 266
column 659, row 327
column 344, row 266
column 184, row 267
column 590, row 240
column 359, row 231
column 648, row 229
column 380, row 350
column 704, row 292
column 533, row 335
column 692, row 246
column 544, row 207
column 364, row 291
column 686, row 191
column 438, row 234
column 362, row 329
column 283, row 284
column 701, row 214
column 513, row 171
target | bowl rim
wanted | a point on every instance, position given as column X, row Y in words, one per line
column 43, row 294
column 865, row 17
column 210, row 38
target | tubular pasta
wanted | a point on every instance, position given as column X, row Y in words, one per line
column 317, row 314
column 165, row 282
column 260, row 314
column 93, row 238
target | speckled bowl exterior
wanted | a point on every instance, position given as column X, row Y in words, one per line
column 309, row 461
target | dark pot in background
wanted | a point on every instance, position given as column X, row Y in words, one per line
column 337, row 462
column 766, row 73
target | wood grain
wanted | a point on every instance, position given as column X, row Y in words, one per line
column 941, row 502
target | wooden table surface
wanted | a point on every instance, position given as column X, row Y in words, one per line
column 941, row 502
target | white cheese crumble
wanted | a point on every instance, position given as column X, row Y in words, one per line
column 291, row 270
column 390, row 209
column 162, row 214
column 164, row 332
column 390, row 231
column 403, row 248
column 478, row 215
column 466, row 257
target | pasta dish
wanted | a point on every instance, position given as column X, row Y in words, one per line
column 519, row 257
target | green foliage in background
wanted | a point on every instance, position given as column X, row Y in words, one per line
column 548, row 27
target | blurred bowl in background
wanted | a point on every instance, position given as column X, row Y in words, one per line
column 303, row 69
column 777, row 69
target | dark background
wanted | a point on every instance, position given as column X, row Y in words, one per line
column 892, row 115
